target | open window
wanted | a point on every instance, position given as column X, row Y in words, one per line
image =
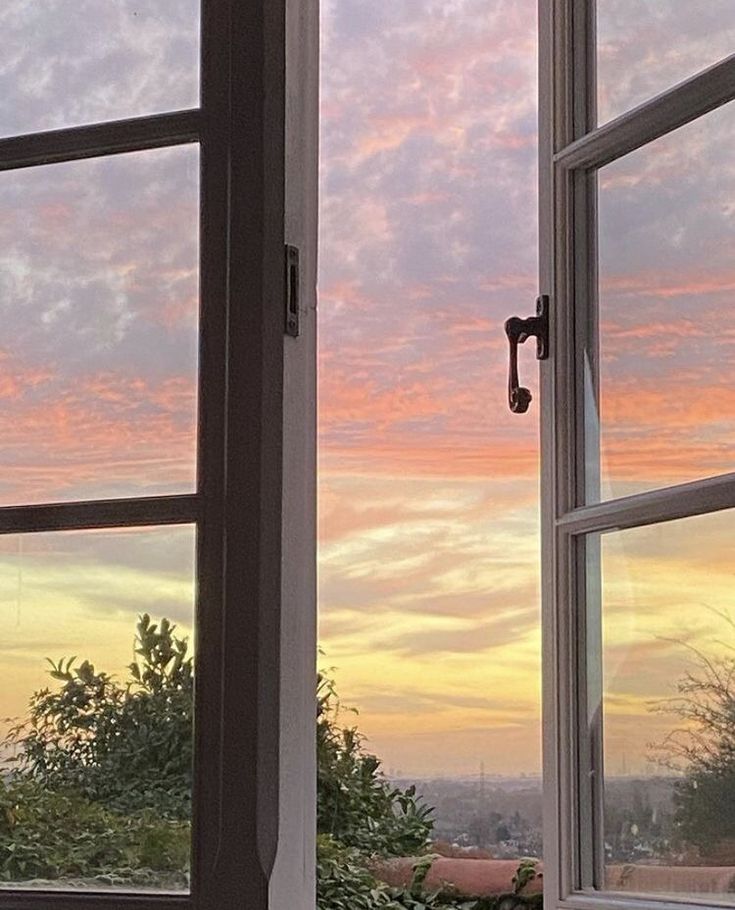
column 157, row 162
column 638, row 429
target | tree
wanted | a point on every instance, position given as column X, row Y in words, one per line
column 703, row 751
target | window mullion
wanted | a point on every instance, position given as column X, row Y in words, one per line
column 100, row 139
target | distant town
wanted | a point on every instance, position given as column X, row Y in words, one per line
column 501, row 817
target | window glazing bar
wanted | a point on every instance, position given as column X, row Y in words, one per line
column 106, row 513
column 676, row 107
column 698, row 498
column 100, row 139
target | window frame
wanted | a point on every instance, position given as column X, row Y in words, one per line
column 253, row 824
column 571, row 150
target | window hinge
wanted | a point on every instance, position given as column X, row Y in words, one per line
column 293, row 291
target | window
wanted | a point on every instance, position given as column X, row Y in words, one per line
column 158, row 438
column 637, row 431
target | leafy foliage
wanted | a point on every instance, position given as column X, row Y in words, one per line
column 525, row 874
column 355, row 804
column 360, row 815
column 128, row 747
column 102, row 781
column 47, row 834
column 345, row 883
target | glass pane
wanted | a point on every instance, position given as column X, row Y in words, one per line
column 646, row 46
column 96, row 709
column 668, row 704
column 667, row 354
column 70, row 62
column 99, row 308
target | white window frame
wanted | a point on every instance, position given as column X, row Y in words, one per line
column 572, row 148
column 254, row 798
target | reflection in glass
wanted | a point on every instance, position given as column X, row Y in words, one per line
column 99, row 308
column 647, row 46
column 666, row 355
column 667, row 666
column 96, row 708
column 72, row 62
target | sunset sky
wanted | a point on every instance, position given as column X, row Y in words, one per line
column 429, row 557
column 429, row 603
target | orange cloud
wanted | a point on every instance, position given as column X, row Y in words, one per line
column 62, row 437
column 439, row 458
column 664, row 285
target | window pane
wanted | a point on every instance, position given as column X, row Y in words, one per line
column 646, row 46
column 95, row 781
column 69, row 62
column 668, row 704
column 99, row 306
column 666, row 278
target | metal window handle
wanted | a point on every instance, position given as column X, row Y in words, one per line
column 518, row 331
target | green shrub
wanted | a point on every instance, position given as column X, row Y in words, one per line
column 356, row 805
column 50, row 835
column 101, row 787
column 344, row 882
column 102, row 782
column 128, row 747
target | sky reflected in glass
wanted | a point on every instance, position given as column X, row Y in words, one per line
column 646, row 46
column 667, row 355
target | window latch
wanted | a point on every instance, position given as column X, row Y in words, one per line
column 518, row 331
column 293, row 291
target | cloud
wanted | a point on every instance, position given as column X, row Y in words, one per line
column 428, row 238
column 429, row 552
column 99, row 301
column 428, row 244
column 131, row 570
column 69, row 64
column 643, row 48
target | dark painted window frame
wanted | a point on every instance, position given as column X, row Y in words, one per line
column 254, row 506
